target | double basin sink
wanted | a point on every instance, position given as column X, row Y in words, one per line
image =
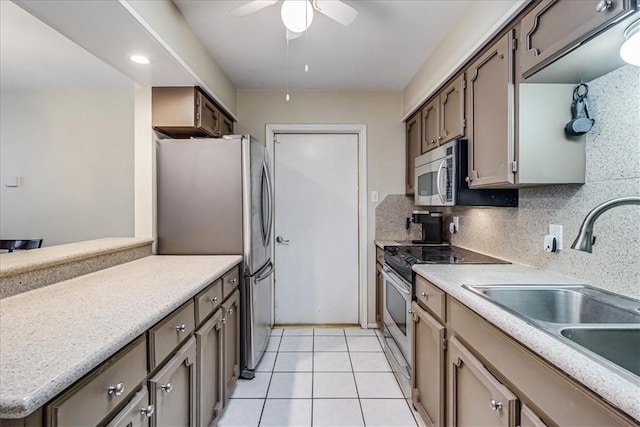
column 602, row 325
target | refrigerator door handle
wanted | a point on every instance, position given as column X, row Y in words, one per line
column 266, row 273
column 270, row 199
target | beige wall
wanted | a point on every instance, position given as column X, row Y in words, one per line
column 380, row 111
column 75, row 154
column 479, row 20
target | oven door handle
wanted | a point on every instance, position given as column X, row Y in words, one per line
column 393, row 283
column 439, row 180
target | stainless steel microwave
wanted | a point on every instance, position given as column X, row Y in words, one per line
column 440, row 180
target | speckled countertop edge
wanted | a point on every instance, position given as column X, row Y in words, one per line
column 93, row 316
column 21, row 261
column 616, row 389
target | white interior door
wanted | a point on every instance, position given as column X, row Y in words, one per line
column 316, row 228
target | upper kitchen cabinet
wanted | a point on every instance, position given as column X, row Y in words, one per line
column 443, row 117
column 184, row 112
column 491, row 115
column 430, row 137
column 554, row 27
column 414, row 145
column 452, row 112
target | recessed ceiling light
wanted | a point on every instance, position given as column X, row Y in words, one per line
column 139, row 59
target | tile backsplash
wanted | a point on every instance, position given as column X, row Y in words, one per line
column 612, row 170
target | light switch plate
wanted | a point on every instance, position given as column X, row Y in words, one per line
column 374, row 196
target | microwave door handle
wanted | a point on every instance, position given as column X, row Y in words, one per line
column 439, row 181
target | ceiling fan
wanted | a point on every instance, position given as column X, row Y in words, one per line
column 298, row 14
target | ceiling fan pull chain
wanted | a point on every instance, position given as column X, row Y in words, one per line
column 287, row 97
column 306, row 35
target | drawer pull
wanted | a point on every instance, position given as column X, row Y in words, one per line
column 230, row 311
column 224, row 320
column 148, row 411
column 604, row 5
column 424, row 295
column 213, row 300
column 167, row 387
column 117, row 389
column 233, row 281
column 181, row 328
column 495, row 405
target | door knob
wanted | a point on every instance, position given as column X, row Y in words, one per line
column 280, row 239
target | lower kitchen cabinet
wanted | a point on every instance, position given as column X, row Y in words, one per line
column 476, row 397
column 209, row 366
column 428, row 381
column 137, row 412
column 379, row 297
column 231, row 334
column 528, row 418
column 173, row 389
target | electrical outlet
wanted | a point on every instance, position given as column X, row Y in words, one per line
column 556, row 231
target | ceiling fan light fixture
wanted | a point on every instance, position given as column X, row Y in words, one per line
column 630, row 49
column 297, row 15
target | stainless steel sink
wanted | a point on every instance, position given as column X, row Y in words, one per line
column 601, row 324
column 618, row 345
column 560, row 305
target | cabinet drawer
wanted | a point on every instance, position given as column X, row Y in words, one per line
column 169, row 333
column 379, row 255
column 208, row 300
column 230, row 281
column 101, row 391
column 431, row 297
column 136, row 413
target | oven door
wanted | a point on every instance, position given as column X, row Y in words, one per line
column 397, row 310
column 434, row 178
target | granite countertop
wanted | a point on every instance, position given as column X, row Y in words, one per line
column 52, row 336
column 21, row 261
column 618, row 390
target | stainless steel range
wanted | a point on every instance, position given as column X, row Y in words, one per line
column 399, row 291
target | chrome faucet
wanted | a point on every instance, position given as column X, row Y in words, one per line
column 586, row 239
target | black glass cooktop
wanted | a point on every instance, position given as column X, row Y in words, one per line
column 401, row 258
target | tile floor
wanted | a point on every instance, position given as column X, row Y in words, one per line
column 321, row 377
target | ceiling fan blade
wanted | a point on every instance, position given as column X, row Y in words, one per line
column 336, row 10
column 293, row 35
column 251, row 7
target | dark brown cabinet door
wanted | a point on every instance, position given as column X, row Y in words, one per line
column 209, row 370
column 207, row 115
column 430, row 126
column 231, row 326
column 554, row 27
column 173, row 389
column 226, row 125
column 452, row 120
column 137, row 412
column 428, row 381
column 491, row 115
column 414, row 149
column 476, row 397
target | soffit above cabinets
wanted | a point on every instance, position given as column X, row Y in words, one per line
column 108, row 31
column 381, row 50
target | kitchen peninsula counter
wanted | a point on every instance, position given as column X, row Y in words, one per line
column 52, row 336
column 622, row 391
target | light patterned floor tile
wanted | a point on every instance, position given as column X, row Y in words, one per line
column 363, row 344
column 337, row 412
column 290, row 385
column 331, row 362
column 360, row 332
column 266, row 362
column 242, row 413
column 298, row 332
column 329, row 344
column 296, row 344
column 294, row 362
column 334, row 385
column 378, row 385
column 328, row 332
column 387, row 413
column 286, row 412
column 274, row 343
column 255, row 388
column 370, row 362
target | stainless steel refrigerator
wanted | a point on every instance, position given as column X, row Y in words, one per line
column 214, row 197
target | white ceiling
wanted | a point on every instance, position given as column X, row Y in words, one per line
column 33, row 56
column 381, row 50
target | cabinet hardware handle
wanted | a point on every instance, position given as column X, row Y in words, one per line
column 148, row 411
column 167, row 387
column 439, row 138
column 424, row 295
column 433, row 141
column 224, row 320
column 468, row 179
column 410, row 311
column 604, row 5
column 230, row 311
column 181, row 328
column 234, row 281
column 117, row 389
column 213, row 300
column 495, row 405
